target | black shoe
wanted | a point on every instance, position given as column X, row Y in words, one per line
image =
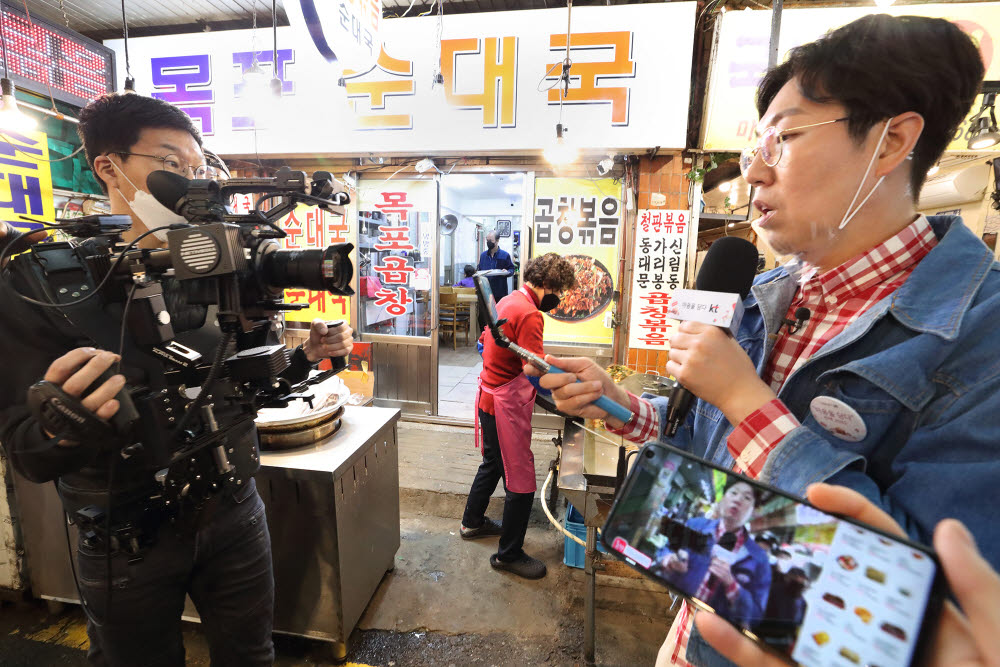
column 525, row 566
column 490, row 528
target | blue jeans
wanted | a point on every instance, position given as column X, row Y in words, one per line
column 225, row 565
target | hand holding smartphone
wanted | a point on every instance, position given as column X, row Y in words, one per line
column 810, row 587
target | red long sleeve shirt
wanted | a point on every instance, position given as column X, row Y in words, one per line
column 524, row 326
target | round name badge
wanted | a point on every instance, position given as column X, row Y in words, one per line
column 838, row 418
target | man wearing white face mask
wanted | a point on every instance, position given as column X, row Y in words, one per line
column 891, row 386
column 218, row 550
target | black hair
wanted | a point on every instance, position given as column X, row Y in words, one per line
column 469, row 270
column 880, row 66
column 550, row 271
column 112, row 124
column 758, row 494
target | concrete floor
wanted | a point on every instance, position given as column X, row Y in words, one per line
column 443, row 604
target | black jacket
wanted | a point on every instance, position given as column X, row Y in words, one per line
column 32, row 337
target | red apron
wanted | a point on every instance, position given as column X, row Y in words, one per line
column 512, row 406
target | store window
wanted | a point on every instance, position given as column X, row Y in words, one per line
column 396, row 230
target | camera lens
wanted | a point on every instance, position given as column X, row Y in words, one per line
column 326, row 270
column 649, row 453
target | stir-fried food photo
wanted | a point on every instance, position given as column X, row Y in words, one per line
column 591, row 294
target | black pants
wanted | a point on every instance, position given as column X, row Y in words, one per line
column 516, row 507
column 225, row 566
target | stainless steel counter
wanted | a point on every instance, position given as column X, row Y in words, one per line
column 333, row 513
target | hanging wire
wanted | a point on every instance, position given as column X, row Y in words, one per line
column 274, row 27
column 128, row 63
column 3, row 40
column 412, row 2
column 62, row 8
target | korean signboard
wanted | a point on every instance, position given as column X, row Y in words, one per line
column 27, row 180
column 394, row 219
column 580, row 219
column 657, row 270
column 497, row 94
column 344, row 32
column 741, row 58
column 310, row 227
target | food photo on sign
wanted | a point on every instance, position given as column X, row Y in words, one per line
column 579, row 219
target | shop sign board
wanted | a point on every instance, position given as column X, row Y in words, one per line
column 741, row 58
column 580, row 219
column 394, row 264
column 27, row 179
column 310, row 227
column 661, row 240
column 630, row 84
column 346, row 33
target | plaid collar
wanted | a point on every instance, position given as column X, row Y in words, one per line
column 880, row 263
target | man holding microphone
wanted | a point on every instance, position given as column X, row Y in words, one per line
column 890, row 387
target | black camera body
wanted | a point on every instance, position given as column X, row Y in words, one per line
column 186, row 402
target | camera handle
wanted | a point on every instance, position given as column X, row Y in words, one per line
column 66, row 418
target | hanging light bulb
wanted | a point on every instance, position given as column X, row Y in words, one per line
column 561, row 153
column 11, row 117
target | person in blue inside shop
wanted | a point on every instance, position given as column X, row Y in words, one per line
column 495, row 258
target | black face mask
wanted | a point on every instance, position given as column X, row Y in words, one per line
column 548, row 302
column 491, row 244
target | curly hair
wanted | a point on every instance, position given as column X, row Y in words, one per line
column 550, row 271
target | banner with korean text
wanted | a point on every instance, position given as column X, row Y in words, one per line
column 741, row 58
column 397, row 221
column 580, row 219
column 27, row 179
column 657, row 270
column 631, row 65
column 308, row 227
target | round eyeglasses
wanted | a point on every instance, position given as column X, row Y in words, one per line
column 769, row 144
column 173, row 164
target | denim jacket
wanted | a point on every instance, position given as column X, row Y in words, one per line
column 922, row 369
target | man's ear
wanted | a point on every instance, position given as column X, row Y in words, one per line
column 904, row 131
column 106, row 172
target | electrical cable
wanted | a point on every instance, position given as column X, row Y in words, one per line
column 128, row 63
column 5, row 273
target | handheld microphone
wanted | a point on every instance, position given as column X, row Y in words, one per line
column 723, row 281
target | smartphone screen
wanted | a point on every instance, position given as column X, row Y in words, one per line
column 815, row 588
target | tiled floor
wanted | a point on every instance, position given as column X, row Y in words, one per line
column 458, row 371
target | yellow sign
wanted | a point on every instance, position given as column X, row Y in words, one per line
column 741, row 58
column 580, row 219
column 312, row 228
column 27, row 179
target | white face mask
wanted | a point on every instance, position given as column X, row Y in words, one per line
column 848, row 215
column 153, row 214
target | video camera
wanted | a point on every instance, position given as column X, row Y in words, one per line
column 185, row 402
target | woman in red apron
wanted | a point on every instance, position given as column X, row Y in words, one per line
column 503, row 415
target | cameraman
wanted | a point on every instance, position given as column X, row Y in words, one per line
column 218, row 551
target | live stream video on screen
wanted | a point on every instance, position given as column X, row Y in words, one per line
column 820, row 590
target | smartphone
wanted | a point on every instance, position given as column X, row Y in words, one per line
column 815, row 588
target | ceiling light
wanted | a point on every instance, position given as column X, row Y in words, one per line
column 726, row 186
column 933, row 170
column 561, row 153
column 11, row 117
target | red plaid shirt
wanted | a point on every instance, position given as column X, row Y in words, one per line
column 835, row 299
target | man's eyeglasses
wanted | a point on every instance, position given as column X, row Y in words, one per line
column 173, row 164
column 769, row 145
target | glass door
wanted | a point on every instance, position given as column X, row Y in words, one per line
column 397, row 222
column 472, row 207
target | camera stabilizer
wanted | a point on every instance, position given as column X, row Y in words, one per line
column 184, row 402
